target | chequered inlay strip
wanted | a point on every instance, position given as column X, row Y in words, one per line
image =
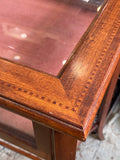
column 110, row 38
column 4, row 84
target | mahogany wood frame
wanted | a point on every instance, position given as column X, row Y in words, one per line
column 68, row 102
column 106, row 101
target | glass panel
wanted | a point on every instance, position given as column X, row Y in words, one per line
column 16, row 121
column 42, row 33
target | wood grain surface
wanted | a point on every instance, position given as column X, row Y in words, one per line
column 70, row 101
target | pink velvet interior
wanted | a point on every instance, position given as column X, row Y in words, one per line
column 41, row 33
column 16, row 121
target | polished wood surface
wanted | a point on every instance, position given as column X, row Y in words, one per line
column 89, row 71
column 69, row 102
column 63, row 106
column 105, row 106
column 21, row 151
column 65, row 146
column 43, row 138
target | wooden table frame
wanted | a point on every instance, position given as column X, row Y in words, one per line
column 67, row 103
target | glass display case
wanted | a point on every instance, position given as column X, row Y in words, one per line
column 59, row 62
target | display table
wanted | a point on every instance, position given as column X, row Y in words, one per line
column 53, row 80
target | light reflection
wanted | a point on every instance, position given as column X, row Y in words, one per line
column 16, row 32
column 11, row 47
column 23, row 35
column 63, row 62
column 17, row 57
column 80, row 69
column 16, row 28
column 98, row 8
column 86, row 0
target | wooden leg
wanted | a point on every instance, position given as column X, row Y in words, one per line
column 106, row 102
column 65, row 146
column 43, row 137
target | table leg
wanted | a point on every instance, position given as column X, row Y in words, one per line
column 106, row 101
column 43, row 137
column 65, row 146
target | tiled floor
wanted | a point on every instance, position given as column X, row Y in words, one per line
column 109, row 149
column 92, row 149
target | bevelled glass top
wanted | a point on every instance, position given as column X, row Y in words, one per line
column 42, row 33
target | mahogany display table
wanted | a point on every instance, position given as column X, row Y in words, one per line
column 47, row 105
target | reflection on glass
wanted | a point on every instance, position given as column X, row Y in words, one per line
column 11, row 47
column 42, row 34
column 23, row 35
column 64, row 61
column 17, row 57
column 91, row 4
column 13, row 31
column 98, row 8
column 18, row 122
column 86, row 0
